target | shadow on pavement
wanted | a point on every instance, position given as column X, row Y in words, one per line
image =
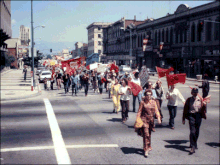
column 107, row 100
column 127, row 150
column 108, row 112
column 161, row 126
column 213, row 144
column 176, row 141
column 178, row 147
column 115, row 120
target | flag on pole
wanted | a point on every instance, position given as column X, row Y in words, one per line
column 176, row 78
column 114, row 67
column 135, row 88
column 163, row 72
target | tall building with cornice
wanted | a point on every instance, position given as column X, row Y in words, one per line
column 24, row 35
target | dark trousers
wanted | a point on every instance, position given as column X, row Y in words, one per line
column 86, row 86
column 45, row 86
column 172, row 112
column 125, row 108
column 100, row 90
column 194, row 125
column 25, row 75
column 51, row 86
column 109, row 92
column 66, row 85
column 74, row 87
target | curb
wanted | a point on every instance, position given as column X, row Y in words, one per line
column 20, row 98
column 211, row 82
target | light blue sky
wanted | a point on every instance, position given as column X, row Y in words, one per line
column 66, row 21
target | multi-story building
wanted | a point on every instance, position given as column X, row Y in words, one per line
column 85, row 50
column 116, row 40
column 190, row 37
column 24, row 35
column 5, row 26
column 95, row 37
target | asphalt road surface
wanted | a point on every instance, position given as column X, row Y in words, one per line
column 61, row 128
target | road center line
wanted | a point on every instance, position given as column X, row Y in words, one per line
column 59, row 145
column 52, row 147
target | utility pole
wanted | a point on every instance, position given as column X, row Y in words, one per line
column 130, row 47
column 32, row 44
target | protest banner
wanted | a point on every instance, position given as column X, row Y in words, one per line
column 144, row 76
column 74, row 65
column 101, row 68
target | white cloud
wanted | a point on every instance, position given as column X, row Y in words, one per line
column 13, row 22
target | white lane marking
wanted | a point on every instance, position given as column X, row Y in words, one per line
column 52, row 147
column 59, row 145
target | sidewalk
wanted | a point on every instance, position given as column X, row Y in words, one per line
column 13, row 86
column 194, row 79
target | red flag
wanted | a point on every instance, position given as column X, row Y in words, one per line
column 163, row 72
column 69, row 70
column 114, row 67
column 135, row 88
column 176, row 78
column 87, row 67
column 103, row 80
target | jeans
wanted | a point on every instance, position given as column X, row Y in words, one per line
column 25, row 75
column 125, row 109
column 74, row 87
column 172, row 112
column 194, row 125
column 66, row 85
column 51, row 86
column 100, row 90
column 134, row 100
column 45, row 86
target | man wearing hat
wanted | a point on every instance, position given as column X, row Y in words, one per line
column 194, row 111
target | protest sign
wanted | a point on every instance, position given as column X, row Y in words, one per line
column 144, row 76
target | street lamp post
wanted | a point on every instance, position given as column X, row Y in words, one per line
column 32, row 42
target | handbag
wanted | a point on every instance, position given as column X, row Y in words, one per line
column 138, row 123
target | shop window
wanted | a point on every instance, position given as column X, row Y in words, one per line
column 193, row 32
column 217, row 29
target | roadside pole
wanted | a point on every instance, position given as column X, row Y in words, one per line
column 32, row 88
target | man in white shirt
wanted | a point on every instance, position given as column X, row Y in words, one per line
column 137, row 81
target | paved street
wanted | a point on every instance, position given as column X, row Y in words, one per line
column 60, row 128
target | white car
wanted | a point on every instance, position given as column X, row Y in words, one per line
column 43, row 74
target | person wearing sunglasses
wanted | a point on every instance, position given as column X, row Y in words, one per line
column 146, row 111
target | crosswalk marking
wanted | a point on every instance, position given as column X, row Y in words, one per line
column 52, row 147
column 59, row 145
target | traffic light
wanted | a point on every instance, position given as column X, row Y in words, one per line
column 50, row 50
column 201, row 25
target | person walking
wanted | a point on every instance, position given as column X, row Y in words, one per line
column 172, row 97
column 100, row 82
column 160, row 96
column 45, row 83
column 25, row 72
column 94, row 80
column 124, row 91
column 86, row 82
column 59, row 77
column 145, row 116
column 137, row 81
column 51, row 82
column 194, row 111
column 65, row 80
column 74, row 81
column 115, row 96
column 205, row 87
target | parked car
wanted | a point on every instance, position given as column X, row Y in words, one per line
column 43, row 74
column 151, row 71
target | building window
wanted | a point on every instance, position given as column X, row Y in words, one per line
column 163, row 35
column 217, row 29
column 185, row 35
column 99, row 28
column 193, row 33
column 99, row 51
column 155, row 37
column 171, row 35
column 167, row 35
column 159, row 39
column 99, row 43
column 99, row 36
column 199, row 32
column 208, row 31
column 181, row 35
